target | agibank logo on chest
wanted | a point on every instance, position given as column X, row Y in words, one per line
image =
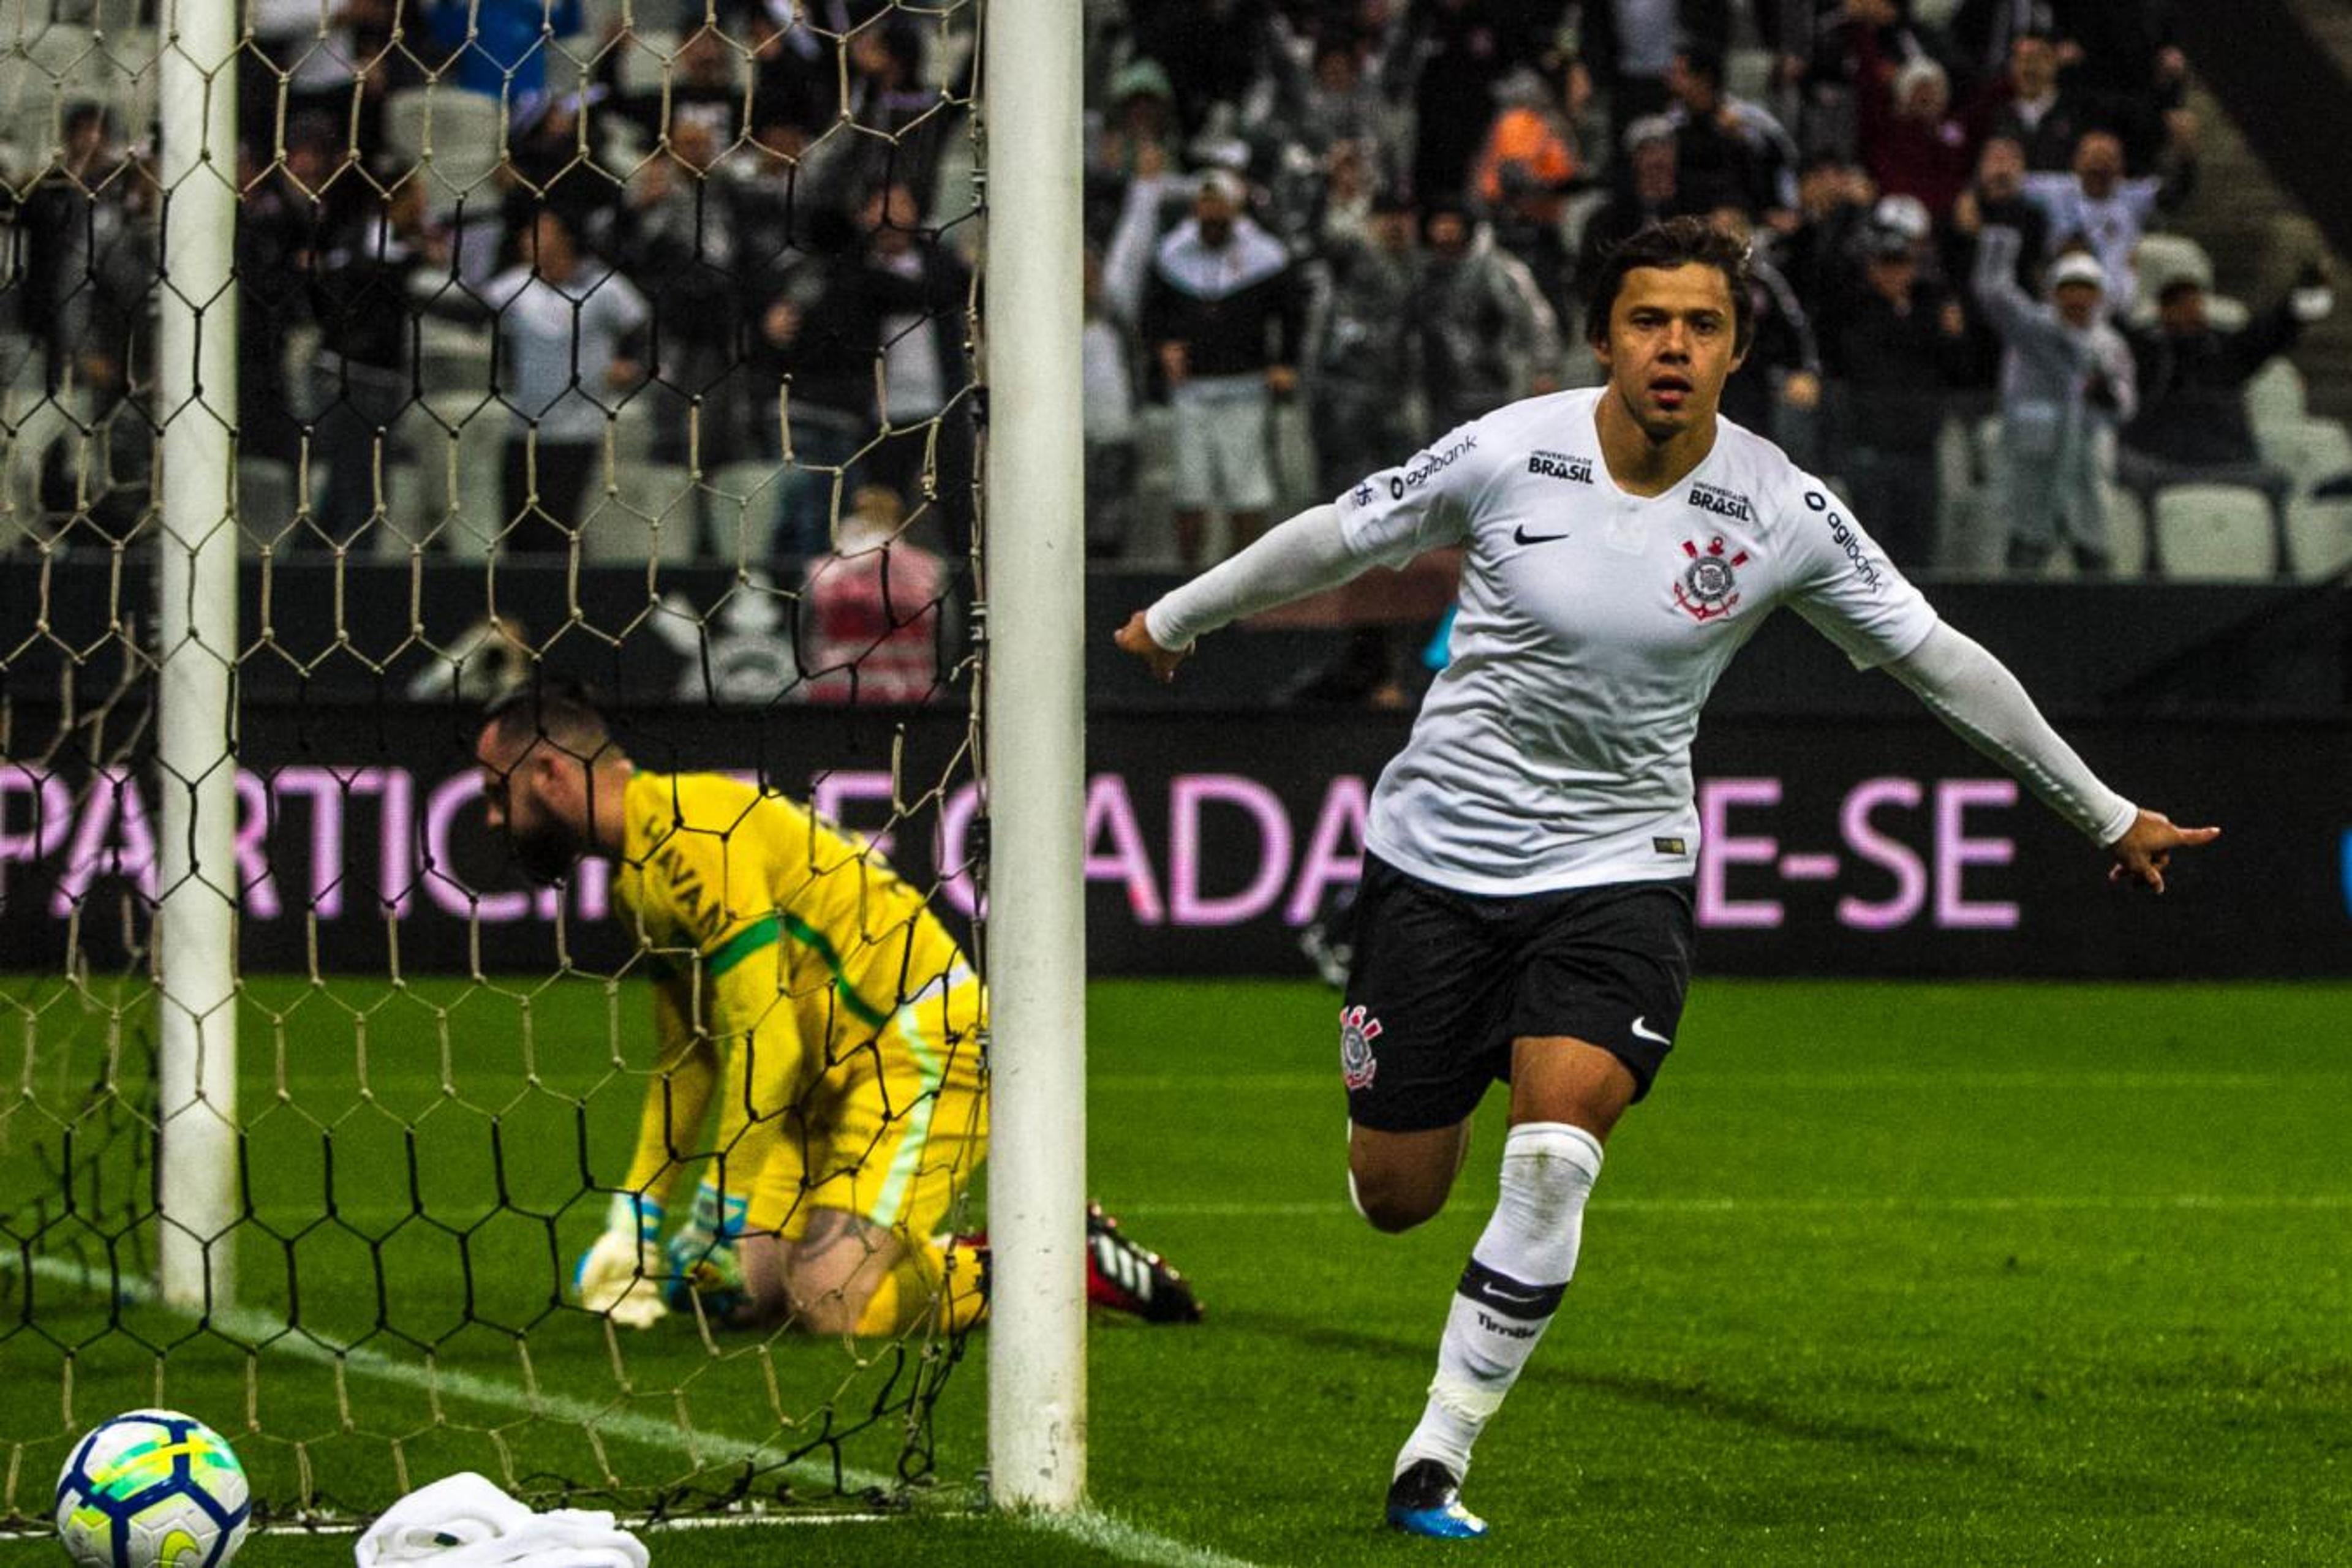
column 1560, row 465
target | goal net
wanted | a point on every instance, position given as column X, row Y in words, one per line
column 616, row 346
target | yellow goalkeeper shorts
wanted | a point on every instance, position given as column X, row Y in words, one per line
column 894, row 1126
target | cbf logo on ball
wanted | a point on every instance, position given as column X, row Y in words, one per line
column 1358, row 1030
column 1710, row 584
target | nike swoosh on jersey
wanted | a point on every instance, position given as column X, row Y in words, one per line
column 1643, row 1031
column 1522, row 536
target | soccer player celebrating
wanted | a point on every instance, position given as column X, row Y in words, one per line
column 811, row 991
column 1525, row 908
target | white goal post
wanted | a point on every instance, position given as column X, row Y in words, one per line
column 1034, row 586
column 197, row 649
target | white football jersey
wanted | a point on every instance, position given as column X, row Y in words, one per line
column 1554, row 749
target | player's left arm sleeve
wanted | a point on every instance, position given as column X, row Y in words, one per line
column 1305, row 555
column 1976, row 694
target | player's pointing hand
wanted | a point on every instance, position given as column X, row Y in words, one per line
column 1136, row 638
column 2146, row 848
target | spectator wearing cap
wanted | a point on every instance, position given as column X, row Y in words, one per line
column 1487, row 336
column 1893, row 354
column 2191, row 427
column 1136, row 135
column 1366, row 353
column 1727, row 151
column 2094, row 205
column 1224, row 315
column 2066, row 383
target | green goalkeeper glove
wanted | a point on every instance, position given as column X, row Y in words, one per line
column 621, row 1275
column 703, row 1265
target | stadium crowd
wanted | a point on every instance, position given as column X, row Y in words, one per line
column 709, row 245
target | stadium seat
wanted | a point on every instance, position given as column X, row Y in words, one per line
column 460, row 443
column 455, row 136
column 645, row 56
column 2319, row 537
column 2162, row 257
column 1747, row 73
column 2275, row 396
column 2215, row 532
column 569, row 61
column 743, row 499
column 2310, row 450
column 651, row 518
column 2126, row 530
column 265, row 511
column 454, row 358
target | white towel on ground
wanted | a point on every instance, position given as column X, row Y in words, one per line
column 465, row 1522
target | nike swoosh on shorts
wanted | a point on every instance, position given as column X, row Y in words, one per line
column 1642, row 1031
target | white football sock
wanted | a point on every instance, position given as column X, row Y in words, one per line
column 1522, row 1263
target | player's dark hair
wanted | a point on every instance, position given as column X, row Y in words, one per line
column 1667, row 244
column 558, row 712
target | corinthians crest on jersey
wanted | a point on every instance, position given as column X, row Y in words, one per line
column 1709, row 586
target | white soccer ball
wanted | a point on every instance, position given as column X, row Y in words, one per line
column 152, row 1488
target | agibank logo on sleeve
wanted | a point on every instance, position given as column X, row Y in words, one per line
column 1429, row 465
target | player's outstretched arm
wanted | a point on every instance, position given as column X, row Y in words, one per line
column 2144, row 851
column 1135, row 637
column 1305, row 555
column 1976, row 694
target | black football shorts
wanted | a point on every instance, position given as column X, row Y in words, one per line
column 1443, row 982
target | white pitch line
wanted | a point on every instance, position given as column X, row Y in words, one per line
column 2086, row 1203
column 1106, row 1532
column 1131, row 1543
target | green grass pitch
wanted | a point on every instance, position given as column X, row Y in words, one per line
column 1905, row 1274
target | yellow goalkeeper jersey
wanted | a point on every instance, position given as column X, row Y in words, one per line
column 714, row 869
column 784, row 945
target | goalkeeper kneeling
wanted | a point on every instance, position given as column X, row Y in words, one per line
column 806, row 987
